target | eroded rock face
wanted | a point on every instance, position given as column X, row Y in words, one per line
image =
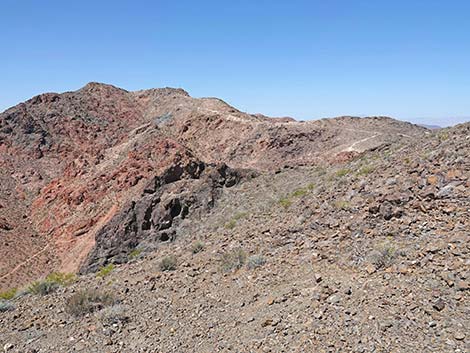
column 181, row 193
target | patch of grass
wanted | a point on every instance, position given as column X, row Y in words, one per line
column 168, row 263
column 299, row 192
column 342, row 205
column 62, row 279
column 365, row 170
column 240, row 215
column 105, row 270
column 8, row 294
column 285, row 202
column 310, row 186
column 343, row 172
column 134, row 254
column 88, row 301
column 233, row 222
column 233, row 260
column 255, row 261
column 230, row 224
column 197, row 247
column 5, row 306
column 443, row 136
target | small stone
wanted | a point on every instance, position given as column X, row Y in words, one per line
column 432, row 324
column 333, row 299
column 459, row 336
column 439, row 305
column 7, row 347
column 270, row 301
column 317, row 278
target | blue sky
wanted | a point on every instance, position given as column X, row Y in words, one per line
column 305, row 59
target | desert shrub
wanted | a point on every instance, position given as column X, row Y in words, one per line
column 285, row 202
column 88, row 301
column 342, row 205
column 105, row 270
column 365, row 170
column 62, row 279
column 343, row 172
column 230, row 224
column 5, row 305
column 384, row 256
column 233, row 260
column 311, row 186
column 197, row 247
column 255, row 261
column 43, row 287
column 233, row 222
column 168, row 263
column 113, row 315
column 299, row 192
column 8, row 294
column 134, row 254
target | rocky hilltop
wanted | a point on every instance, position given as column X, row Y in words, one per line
column 70, row 162
column 199, row 228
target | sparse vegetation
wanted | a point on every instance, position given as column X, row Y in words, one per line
column 43, row 287
column 105, row 270
column 443, row 136
column 62, row 279
column 233, row 260
column 343, row 172
column 113, row 315
column 384, row 256
column 342, row 205
column 197, row 247
column 5, row 305
column 168, row 263
column 255, row 261
column 8, row 294
column 134, row 254
column 233, row 222
column 88, row 301
column 365, row 170
column 285, row 202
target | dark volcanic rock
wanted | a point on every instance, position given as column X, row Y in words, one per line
column 181, row 192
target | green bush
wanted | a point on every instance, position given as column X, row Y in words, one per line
column 197, row 247
column 62, row 279
column 233, row 260
column 365, row 170
column 168, row 263
column 285, row 202
column 134, row 254
column 343, row 172
column 88, row 301
column 8, row 294
column 105, row 270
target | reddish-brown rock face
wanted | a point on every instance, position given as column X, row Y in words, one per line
column 70, row 162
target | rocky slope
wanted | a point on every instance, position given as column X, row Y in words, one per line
column 369, row 255
column 72, row 163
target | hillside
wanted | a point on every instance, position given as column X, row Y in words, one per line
column 371, row 255
column 72, row 162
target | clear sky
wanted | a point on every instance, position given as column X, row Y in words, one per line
column 306, row 59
